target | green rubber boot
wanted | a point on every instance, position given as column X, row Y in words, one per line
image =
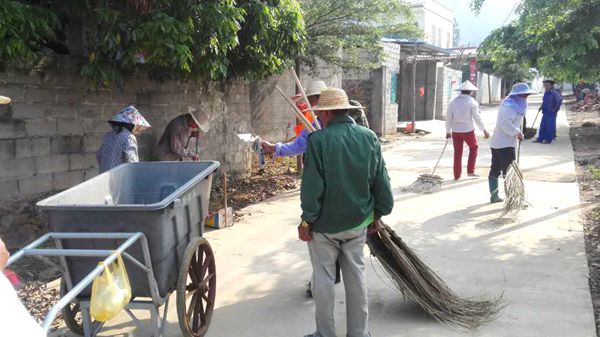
column 493, row 182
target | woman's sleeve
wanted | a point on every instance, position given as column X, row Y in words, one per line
column 130, row 154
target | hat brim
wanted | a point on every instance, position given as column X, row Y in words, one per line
column 530, row 92
column 202, row 126
column 339, row 107
column 549, row 81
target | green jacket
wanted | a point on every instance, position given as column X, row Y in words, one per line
column 344, row 179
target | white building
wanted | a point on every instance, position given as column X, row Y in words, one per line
column 436, row 21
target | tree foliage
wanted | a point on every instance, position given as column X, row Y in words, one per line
column 24, row 30
column 507, row 53
column 197, row 39
column 353, row 26
column 561, row 38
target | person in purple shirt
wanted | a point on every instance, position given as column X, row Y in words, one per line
column 550, row 106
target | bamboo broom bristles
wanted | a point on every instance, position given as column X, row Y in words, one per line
column 309, row 127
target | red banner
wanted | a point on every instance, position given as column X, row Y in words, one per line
column 473, row 71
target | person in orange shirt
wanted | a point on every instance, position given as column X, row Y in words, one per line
column 298, row 145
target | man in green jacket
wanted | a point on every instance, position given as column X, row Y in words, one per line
column 345, row 192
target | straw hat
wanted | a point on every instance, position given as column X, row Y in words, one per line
column 334, row 99
column 200, row 117
column 521, row 89
column 549, row 80
column 467, row 86
column 315, row 88
column 4, row 100
column 130, row 115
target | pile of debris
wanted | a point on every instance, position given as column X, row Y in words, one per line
column 39, row 299
column 591, row 102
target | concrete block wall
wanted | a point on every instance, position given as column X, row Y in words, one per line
column 448, row 80
column 50, row 132
column 484, row 93
column 374, row 90
column 391, row 68
column 363, row 91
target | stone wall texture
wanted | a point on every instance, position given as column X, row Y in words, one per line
column 50, row 132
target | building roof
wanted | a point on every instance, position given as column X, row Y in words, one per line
column 423, row 48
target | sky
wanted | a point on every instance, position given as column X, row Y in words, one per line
column 473, row 29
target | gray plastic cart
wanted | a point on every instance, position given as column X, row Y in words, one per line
column 153, row 214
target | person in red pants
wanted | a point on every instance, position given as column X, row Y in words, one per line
column 462, row 111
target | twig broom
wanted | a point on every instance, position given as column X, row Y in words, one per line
column 428, row 183
column 515, row 197
column 422, row 285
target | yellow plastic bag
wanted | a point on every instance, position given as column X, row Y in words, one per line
column 111, row 291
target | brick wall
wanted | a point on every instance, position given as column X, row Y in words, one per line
column 50, row 132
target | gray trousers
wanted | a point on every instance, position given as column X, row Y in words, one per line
column 324, row 250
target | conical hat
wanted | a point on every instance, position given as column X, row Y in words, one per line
column 130, row 115
column 466, row 86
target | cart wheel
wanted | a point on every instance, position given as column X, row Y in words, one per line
column 196, row 288
column 71, row 314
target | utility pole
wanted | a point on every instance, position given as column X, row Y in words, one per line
column 414, row 89
column 489, row 89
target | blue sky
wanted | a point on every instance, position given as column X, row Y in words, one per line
column 473, row 29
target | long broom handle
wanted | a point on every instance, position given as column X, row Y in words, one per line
column 535, row 119
column 440, row 158
column 297, row 111
column 301, row 88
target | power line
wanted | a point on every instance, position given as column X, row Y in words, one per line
column 510, row 13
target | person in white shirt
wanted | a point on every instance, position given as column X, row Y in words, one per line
column 462, row 111
column 507, row 134
column 15, row 320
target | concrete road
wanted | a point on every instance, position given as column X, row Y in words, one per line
column 538, row 261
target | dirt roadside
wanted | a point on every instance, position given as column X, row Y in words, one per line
column 585, row 137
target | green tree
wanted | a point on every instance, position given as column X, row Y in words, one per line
column 352, row 26
column 561, row 38
column 195, row 39
column 507, row 54
column 24, row 30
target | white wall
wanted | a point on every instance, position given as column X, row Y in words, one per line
column 436, row 21
column 483, row 93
